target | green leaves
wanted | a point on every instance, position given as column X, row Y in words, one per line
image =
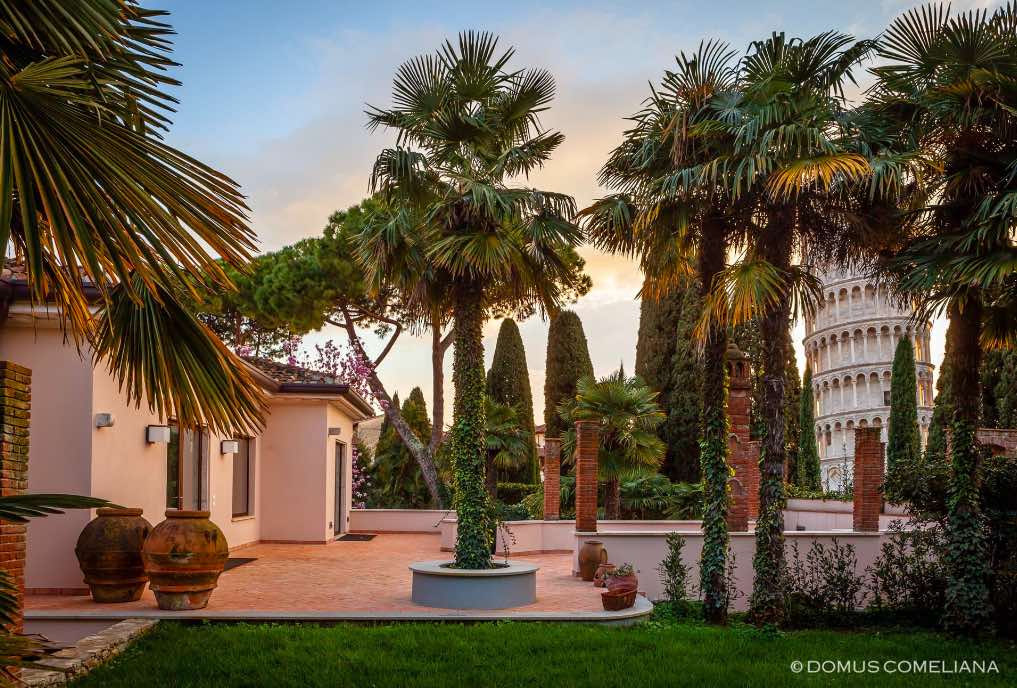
column 160, row 353
column 20, row 508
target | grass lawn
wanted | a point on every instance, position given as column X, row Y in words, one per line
column 529, row 654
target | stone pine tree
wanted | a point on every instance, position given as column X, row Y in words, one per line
column 508, row 382
column 808, row 453
column 903, row 441
column 667, row 359
column 568, row 360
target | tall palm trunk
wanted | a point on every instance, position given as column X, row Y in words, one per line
column 968, row 607
column 766, row 606
column 612, row 499
column 468, row 450
column 713, row 448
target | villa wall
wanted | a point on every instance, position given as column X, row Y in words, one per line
column 645, row 550
column 342, row 423
column 397, row 520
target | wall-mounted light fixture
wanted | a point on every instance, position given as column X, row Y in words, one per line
column 104, row 420
column 335, row 432
column 229, row 447
column 157, row 434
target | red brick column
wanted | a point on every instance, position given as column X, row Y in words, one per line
column 587, row 449
column 743, row 455
column 552, row 478
column 868, row 477
column 738, row 507
column 15, row 412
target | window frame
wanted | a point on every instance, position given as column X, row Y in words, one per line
column 249, row 443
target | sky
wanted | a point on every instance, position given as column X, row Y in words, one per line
column 274, row 96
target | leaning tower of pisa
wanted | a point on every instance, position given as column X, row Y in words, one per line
column 849, row 345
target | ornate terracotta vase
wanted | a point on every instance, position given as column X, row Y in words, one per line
column 184, row 556
column 591, row 555
column 109, row 553
column 600, row 577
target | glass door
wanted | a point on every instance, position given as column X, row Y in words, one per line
column 187, row 469
column 340, row 462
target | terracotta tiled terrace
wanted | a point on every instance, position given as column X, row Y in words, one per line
column 342, row 576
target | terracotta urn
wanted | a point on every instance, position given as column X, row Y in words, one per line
column 184, row 556
column 600, row 577
column 109, row 553
column 591, row 555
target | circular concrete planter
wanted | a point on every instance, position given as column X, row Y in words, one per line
column 435, row 584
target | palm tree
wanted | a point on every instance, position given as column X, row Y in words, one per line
column 680, row 226
column 89, row 190
column 467, row 126
column 508, row 442
column 628, row 414
column 792, row 156
column 946, row 92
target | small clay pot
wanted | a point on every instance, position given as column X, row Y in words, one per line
column 109, row 553
column 591, row 555
column 622, row 583
column 183, row 557
column 600, row 576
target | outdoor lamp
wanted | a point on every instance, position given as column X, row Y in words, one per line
column 229, row 447
column 157, row 434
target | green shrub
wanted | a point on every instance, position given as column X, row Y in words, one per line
column 910, row 575
column 824, row 586
column 674, row 573
column 514, row 493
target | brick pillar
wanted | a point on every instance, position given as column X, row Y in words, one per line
column 868, row 477
column 743, row 454
column 552, row 478
column 587, row 449
column 15, row 412
column 737, row 508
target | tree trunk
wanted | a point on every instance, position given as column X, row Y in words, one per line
column 491, row 477
column 968, row 607
column 766, row 606
column 713, row 450
column 439, row 345
column 420, row 453
column 468, row 450
column 612, row 499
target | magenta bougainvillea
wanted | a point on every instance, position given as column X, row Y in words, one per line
column 361, row 482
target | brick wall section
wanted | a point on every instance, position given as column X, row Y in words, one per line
column 743, row 455
column 15, row 414
column 738, row 508
column 1000, row 441
column 868, row 477
column 552, row 479
column 587, row 449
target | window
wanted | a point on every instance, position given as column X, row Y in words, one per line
column 243, row 477
column 886, row 397
column 186, row 468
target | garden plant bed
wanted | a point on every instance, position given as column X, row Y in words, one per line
column 510, row 654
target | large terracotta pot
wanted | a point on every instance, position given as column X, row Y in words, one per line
column 622, row 583
column 184, row 556
column 591, row 555
column 109, row 553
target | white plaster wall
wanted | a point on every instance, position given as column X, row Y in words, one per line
column 294, row 479
column 59, row 458
column 397, row 520
column 338, row 419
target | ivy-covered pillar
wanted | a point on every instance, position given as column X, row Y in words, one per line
column 15, row 413
column 587, row 449
column 552, row 479
column 868, row 478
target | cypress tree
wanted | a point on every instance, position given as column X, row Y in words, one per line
column 942, row 411
column 903, row 441
column 568, row 360
column 808, row 453
column 792, row 414
column 396, row 481
column 668, row 360
column 508, row 382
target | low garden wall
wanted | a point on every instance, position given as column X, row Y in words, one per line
column 831, row 514
column 396, row 520
column 645, row 549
